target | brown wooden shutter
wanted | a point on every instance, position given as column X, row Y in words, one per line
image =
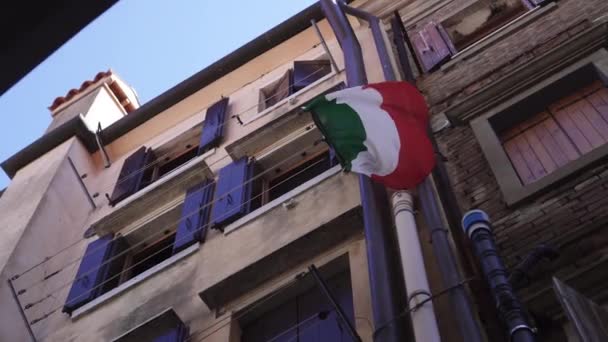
column 431, row 47
column 130, row 177
column 284, row 88
column 537, row 147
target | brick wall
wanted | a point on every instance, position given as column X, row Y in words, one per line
column 572, row 215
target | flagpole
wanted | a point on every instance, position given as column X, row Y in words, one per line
column 387, row 293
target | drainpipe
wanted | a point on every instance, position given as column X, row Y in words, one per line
column 386, row 288
column 461, row 306
column 476, row 225
column 418, row 290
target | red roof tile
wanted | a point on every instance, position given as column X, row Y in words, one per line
column 73, row 92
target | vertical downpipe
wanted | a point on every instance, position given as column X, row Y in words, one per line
column 476, row 225
column 386, row 287
column 423, row 317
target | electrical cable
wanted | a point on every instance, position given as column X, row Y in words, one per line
column 419, row 305
column 157, row 252
column 182, row 218
column 136, row 172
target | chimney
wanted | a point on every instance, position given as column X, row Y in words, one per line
column 101, row 101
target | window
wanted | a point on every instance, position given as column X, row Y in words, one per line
column 165, row 327
column 244, row 185
column 302, row 315
column 145, row 166
column 567, row 129
column 276, row 91
column 549, row 131
column 303, row 74
column 111, row 261
column 436, row 42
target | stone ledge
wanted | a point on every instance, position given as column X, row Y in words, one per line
column 530, row 73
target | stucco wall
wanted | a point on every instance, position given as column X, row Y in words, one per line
column 55, row 220
column 65, row 213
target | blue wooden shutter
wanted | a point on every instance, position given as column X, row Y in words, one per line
column 307, row 72
column 177, row 334
column 329, row 327
column 91, row 274
column 129, row 179
column 213, row 127
column 232, row 197
column 195, row 216
column 277, row 325
column 115, row 263
column 333, row 158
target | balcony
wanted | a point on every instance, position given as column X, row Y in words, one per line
column 155, row 206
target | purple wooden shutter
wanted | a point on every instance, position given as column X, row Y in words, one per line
column 91, row 274
column 195, row 216
column 307, row 72
column 129, row 179
column 213, row 127
column 431, row 48
column 232, row 197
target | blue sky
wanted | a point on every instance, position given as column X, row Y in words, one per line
column 151, row 44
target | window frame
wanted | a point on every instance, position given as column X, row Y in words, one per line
column 484, row 130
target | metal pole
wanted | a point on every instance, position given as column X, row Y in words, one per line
column 399, row 39
column 447, row 265
column 386, row 291
column 82, row 185
column 23, row 316
column 324, row 43
column 476, row 225
column 374, row 24
column 323, row 287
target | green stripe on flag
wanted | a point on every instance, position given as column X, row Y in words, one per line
column 341, row 126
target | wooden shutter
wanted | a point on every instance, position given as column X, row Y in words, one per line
column 431, row 47
column 333, row 158
column 232, row 197
column 129, row 179
column 313, row 302
column 91, row 273
column 277, row 325
column 195, row 216
column 177, row 334
column 307, row 72
column 213, row 127
column 283, row 89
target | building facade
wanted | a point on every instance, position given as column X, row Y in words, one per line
column 195, row 216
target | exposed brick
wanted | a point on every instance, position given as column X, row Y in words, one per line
column 585, row 183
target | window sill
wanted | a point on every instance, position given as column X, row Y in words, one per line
column 499, row 34
column 294, row 99
column 171, row 186
column 122, row 288
column 284, row 199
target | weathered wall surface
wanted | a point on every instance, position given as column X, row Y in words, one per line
column 571, row 216
column 55, row 222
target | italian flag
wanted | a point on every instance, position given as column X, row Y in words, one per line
column 379, row 130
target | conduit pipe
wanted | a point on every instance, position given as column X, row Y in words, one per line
column 476, row 225
column 423, row 317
